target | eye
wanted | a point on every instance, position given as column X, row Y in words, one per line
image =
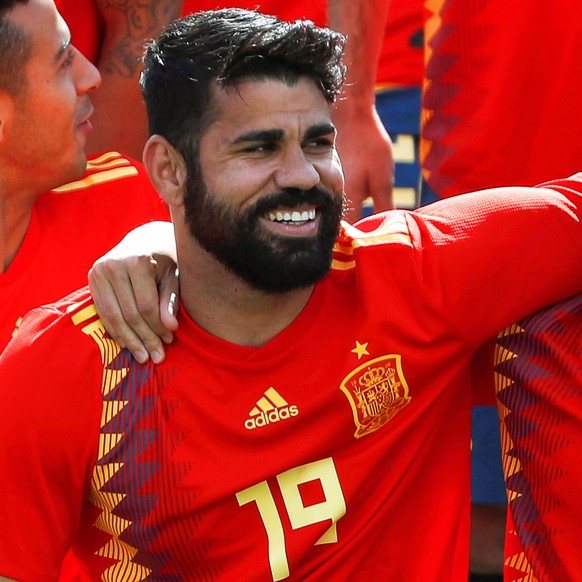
column 323, row 143
column 69, row 57
column 260, row 148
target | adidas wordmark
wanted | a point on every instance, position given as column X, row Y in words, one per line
column 271, row 408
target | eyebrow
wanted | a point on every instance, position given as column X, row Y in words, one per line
column 261, row 135
column 320, row 129
column 270, row 135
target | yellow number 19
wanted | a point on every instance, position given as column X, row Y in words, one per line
column 333, row 507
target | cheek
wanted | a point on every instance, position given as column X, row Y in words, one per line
column 331, row 174
column 55, row 119
column 236, row 182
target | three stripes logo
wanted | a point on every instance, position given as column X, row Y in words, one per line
column 271, row 408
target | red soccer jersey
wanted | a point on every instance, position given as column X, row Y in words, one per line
column 501, row 103
column 401, row 62
column 539, row 373
column 70, row 228
column 339, row 450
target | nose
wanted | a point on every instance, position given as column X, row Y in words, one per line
column 297, row 170
column 87, row 76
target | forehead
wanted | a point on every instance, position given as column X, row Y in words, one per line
column 44, row 28
column 269, row 104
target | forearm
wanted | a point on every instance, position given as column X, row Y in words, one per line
column 363, row 142
column 363, row 22
column 151, row 238
column 511, row 251
column 120, row 118
column 135, row 289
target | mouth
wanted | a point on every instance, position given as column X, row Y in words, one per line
column 85, row 117
column 302, row 222
column 292, row 216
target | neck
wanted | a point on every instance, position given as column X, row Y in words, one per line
column 20, row 188
column 230, row 309
column 14, row 221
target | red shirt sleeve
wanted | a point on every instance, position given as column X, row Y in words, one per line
column 49, row 426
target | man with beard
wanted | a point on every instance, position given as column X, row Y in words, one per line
column 311, row 419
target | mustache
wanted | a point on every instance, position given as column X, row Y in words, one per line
column 293, row 198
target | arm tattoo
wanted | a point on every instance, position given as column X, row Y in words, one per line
column 142, row 20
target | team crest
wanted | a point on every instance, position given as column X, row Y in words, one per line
column 377, row 390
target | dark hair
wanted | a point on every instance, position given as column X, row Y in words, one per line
column 15, row 50
column 225, row 47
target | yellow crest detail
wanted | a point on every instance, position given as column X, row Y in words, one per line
column 376, row 391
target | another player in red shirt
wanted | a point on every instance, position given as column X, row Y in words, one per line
column 50, row 238
column 114, row 195
column 500, row 105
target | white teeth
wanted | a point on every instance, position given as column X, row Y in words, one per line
column 294, row 216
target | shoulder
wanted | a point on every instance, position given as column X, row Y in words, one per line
column 391, row 232
column 373, row 246
column 51, row 371
column 392, row 226
column 570, row 185
column 111, row 173
column 47, row 325
column 112, row 183
column 106, row 169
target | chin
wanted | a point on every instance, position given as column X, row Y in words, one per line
column 80, row 164
column 73, row 171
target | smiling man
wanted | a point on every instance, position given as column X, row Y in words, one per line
column 269, row 200
column 312, row 417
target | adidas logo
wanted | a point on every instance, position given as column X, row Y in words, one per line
column 272, row 407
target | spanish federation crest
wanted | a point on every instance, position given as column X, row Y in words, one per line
column 377, row 390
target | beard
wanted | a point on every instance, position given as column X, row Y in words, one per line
column 265, row 260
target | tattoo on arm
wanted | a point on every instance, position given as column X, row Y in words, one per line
column 140, row 20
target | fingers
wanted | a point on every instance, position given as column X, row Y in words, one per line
column 169, row 288
column 126, row 298
column 363, row 181
column 358, row 190
column 381, row 190
column 368, row 141
column 144, row 278
column 111, row 314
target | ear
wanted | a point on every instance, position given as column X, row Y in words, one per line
column 166, row 169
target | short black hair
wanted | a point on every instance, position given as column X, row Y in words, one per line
column 224, row 47
column 15, row 50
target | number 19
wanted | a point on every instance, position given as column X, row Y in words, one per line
column 333, row 507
